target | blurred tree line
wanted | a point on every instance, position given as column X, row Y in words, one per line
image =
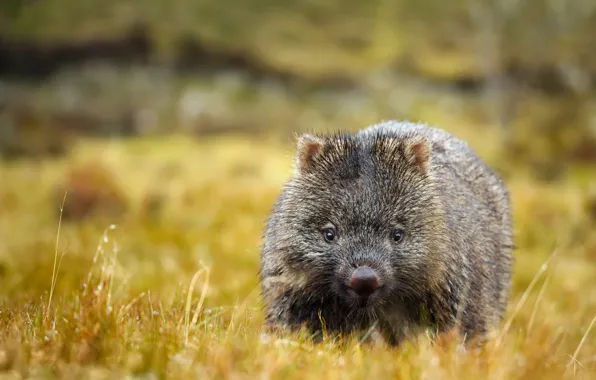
column 532, row 63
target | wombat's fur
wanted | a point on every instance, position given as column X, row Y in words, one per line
column 350, row 201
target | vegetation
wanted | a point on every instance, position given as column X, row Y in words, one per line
column 139, row 257
column 169, row 288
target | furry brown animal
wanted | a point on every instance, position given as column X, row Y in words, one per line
column 399, row 226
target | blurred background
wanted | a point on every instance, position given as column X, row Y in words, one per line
column 133, row 68
column 174, row 120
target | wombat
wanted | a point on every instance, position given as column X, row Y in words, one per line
column 399, row 228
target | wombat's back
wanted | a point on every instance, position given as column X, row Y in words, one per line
column 449, row 152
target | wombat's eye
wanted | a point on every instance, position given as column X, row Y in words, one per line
column 398, row 235
column 329, row 234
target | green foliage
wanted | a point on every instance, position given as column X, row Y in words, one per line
column 537, row 33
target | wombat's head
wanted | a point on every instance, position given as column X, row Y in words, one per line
column 359, row 221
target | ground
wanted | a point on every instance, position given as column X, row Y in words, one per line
column 169, row 287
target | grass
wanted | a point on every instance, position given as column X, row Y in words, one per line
column 172, row 290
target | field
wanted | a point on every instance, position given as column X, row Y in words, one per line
column 162, row 280
column 138, row 257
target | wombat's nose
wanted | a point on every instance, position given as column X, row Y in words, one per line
column 364, row 281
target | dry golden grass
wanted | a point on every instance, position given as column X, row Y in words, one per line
column 170, row 289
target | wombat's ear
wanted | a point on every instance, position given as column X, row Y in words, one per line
column 308, row 148
column 417, row 151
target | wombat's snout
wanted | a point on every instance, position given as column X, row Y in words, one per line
column 364, row 281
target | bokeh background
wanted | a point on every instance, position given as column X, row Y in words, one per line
column 158, row 133
column 137, row 68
